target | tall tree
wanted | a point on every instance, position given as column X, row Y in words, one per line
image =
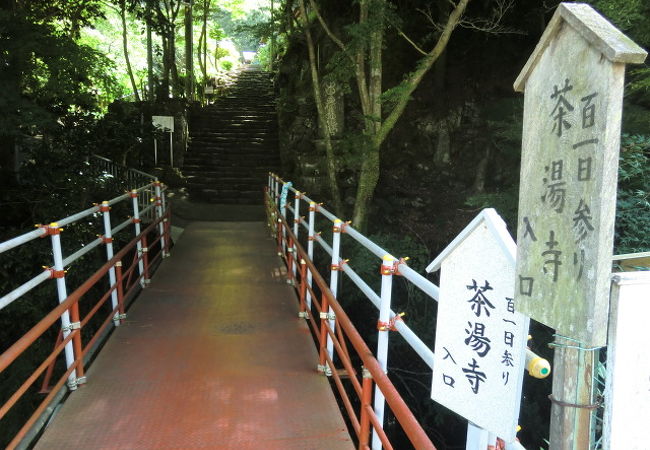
column 329, row 151
column 45, row 73
column 202, row 48
column 165, row 16
column 189, row 50
column 362, row 50
column 122, row 10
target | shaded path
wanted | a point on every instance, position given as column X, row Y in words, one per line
column 212, row 355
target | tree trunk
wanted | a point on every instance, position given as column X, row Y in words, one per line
column 369, row 175
column 189, row 51
column 125, row 44
column 201, row 52
column 481, row 171
column 164, row 88
column 150, row 82
column 320, row 109
column 171, row 41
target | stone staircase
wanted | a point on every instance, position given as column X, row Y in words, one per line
column 234, row 142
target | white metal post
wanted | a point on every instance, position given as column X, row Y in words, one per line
column 310, row 248
column 283, row 211
column 171, row 149
column 108, row 241
column 383, row 327
column 59, row 274
column 159, row 215
column 296, row 227
column 138, row 230
column 478, row 438
column 334, row 281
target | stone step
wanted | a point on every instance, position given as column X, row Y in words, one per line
column 232, row 153
column 234, row 142
column 256, row 161
column 230, row 142
column 230, row 172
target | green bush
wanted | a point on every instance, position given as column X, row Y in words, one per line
column 226, row 65
column 633, row 205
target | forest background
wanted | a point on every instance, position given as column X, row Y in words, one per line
column 429, row 132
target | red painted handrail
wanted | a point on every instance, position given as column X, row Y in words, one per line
column 371, row 371
column 71, row 304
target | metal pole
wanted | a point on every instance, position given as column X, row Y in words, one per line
column 108, row 241
column 58, row 272
column 310, row 248
column 296, row 224
column 171, row 149
column 383, row 327
column 138, row 230
column 159, row 215
column 366, row 400
column 478, row 438
column 334, row 280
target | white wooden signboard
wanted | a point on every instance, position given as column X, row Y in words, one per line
column 166, row 123
column 480, row 339
column 573, row 86
column 627, row 393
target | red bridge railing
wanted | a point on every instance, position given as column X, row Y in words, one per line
column 332, row 328
column 127, row 272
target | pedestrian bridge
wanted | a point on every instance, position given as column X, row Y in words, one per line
column 211, row 355
column 225, row 337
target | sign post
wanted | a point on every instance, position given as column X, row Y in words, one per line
column 480, row 349
column 573, row 85
column 164, row 123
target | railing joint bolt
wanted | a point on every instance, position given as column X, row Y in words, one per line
column 365, row 373
column 327, row 315
column 303, row 315
column 72, row 326
column 324, row 369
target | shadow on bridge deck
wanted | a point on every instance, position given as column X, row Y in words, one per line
column 212, row 355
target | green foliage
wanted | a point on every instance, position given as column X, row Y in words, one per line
column 246, row 32
column 226, row 65
column 48, row 75
column 68, row 15
column 633, row 206
column 633, row 18
column 504, row 200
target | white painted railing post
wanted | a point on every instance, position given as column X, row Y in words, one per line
column 138, row 229
column 58, row 272
column 296, row 227
column 159, row 215
column 335, row 267
column 478, row 438
column 311, row 236
column 277, row 192
column 384, row 326
column 105, row 209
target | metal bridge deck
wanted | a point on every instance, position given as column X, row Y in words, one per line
column 212, row 355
